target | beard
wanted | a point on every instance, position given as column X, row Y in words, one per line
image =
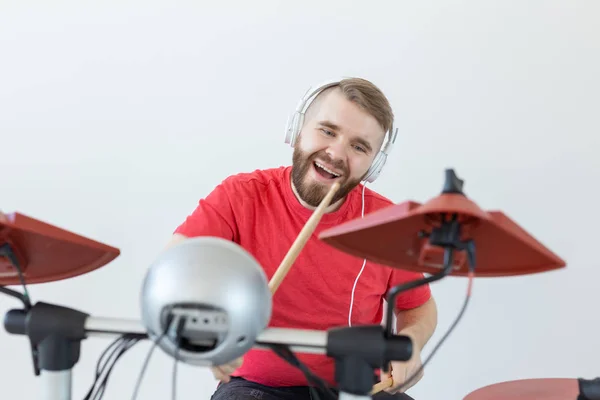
column 313, row 192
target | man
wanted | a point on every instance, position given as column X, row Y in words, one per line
column 263, row 211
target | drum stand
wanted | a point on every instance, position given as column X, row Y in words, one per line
column 56, row 332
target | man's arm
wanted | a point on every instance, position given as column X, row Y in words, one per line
column 213, row 216
column 175, row 238
column 419, row 323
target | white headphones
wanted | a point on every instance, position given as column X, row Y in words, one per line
column 294, row 126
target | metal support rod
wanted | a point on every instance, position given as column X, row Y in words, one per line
column 57, row 385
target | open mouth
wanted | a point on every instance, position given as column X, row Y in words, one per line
column 324, row 171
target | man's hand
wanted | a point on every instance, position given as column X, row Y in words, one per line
column 222, row 372
column 3, row 217
column 402, row 371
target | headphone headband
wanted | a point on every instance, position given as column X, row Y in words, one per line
column 296, row 120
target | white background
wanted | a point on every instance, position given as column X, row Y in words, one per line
column 117, row 117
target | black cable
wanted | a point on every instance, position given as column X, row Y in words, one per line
column 147, row 360
column 145, row 365
column 105, row 352
column 15, row 294
column 404, row 287
column 7, row 251
column 471, row 260
column 119, row 347
column 100, row 390
column 99, row 369
column 285, row 353
column 127, row 344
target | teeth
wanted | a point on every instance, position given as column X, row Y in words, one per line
column 328, row 170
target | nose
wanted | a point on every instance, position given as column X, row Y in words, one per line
column 336, row 150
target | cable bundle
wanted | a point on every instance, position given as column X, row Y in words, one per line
column 107, row 361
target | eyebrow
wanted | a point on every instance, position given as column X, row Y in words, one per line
column 335, row 127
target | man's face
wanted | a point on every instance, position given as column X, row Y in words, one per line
column 340, row 137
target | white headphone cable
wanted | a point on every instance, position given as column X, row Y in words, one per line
column 363, row 266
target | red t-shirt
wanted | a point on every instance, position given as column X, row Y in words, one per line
column 259, row 211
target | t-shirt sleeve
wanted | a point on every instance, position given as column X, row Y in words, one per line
column 411, row 298
column 213, row 216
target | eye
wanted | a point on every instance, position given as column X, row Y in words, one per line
column 360, row 148
column 325, row 131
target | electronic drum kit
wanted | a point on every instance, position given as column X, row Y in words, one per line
column 449, row 235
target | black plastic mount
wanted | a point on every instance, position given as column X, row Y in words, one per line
column 359, row 351
column 452, row 184
column 589, row 389
column 55, row 333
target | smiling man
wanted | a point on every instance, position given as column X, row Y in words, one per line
column 339, row 139
column 338, row 143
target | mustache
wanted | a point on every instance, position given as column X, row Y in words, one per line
column 337, row 164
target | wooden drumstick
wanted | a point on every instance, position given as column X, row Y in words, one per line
column 301, row 240
column 378, row 387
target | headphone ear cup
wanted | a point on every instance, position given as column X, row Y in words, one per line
column 289, row 129
column 376, row 167
column 292, row 128
column 296, row 127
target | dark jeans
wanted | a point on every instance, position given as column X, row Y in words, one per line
column 240, row 389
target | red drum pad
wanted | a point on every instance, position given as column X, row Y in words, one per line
column 47, row 253
column 529, row 389
column 392, row 237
